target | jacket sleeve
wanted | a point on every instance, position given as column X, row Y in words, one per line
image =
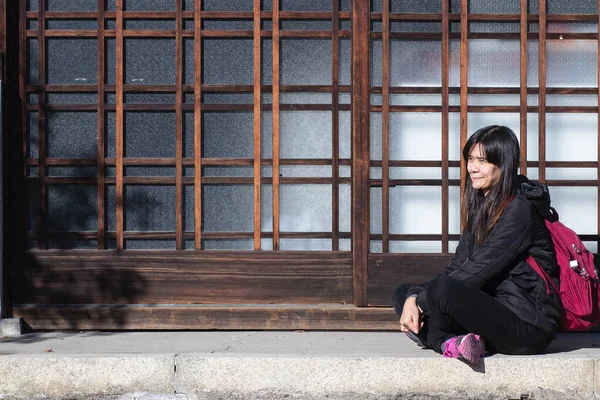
column 460, row 256
column 511, row 236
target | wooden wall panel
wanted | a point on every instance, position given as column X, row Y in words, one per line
column 170, row 277
column 210, row 317
column 387, row 271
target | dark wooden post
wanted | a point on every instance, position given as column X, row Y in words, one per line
column 360, row 147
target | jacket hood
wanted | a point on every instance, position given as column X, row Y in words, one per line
column 536, row 193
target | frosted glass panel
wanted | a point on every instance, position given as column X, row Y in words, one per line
column 415, row 100
column 415, row 210
column 414, row 63
column 476, row 121
column 305, row 208
column 533, row 149
column 577, row 207
column 572, row 63
column 305, row 171
column 568, row 63
column 454, row 65
column 454, row 210
column 578, row 27
column 305, row 62
column 266, row 208
column 493, row 99
column 415, row 173
column 454, row 149
column 345, row 208
column 494, row 7
column 234, row 215
column 345, row 134
column 494, row 63
column 415, row 247
column 572, row 100
column 572, row 137
column 415, row 136
column 571, row 173
column 376, row 207
column 305, row 244
column 305, row 134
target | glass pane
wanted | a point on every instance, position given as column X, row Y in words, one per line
column 305, row 244
column 228, row 135
column 149, row 208
column 415, row 210
column 72, row 171
column 32, row 135
column 70, row 5
column 72, row 134
column 72, row 208
column 228, row 208
column 415, row 247
column 149, row 98
column 149, row 134
column 90, row 24
column 409, row 26
column 220, row 5
column 150, row 244
column 415, row 173
column 345, row 208
column 305, row 171
column 345, row 134
column 149, row 24
column 572, row 100
column 110, row 61
column 415, row 63
column 33, row 71
column 494, row 100
column 227, row 244
column 149, row 171
column 494, row 7
column 571, row 173
column 415, row 136
column 70, row 244
column 60, row 55
column 571, row 7
column 495, row 27
column 305, row 134
column 571, row 208
column 149, row 5
column 572, row 63
column 150, row 61
column 345, row 61
column 266, row 131
column 266, row 209
column 306, row 25
column 189, row 218
column 305, row 5
column 494, row 63
column 306, row 208
column 226, row 61
column 68, row 98
column 305, row 62
column 376, row 206
column 565, row 134
column 454, row 210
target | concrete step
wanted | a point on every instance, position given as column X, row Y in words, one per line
column 278, row 365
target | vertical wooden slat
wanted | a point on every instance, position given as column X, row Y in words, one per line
column 119, row 127
column 464, row 59
column 20, row 217
column 445, row 122
column 257, row 102
column 598, row 169
column 178, row 126
column 335, row 126
column 198, row 125
column 542, row 92
column 42, row 120
column 523, row 90
column 385, row 125
column 360, row 148
column 276, row 124
column 101, row 123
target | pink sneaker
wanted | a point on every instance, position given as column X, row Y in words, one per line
column 468, row 347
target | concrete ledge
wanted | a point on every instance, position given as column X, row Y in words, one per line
column 10, row 327
column 276, row 365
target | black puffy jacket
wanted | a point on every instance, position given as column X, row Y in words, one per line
column 498, row 265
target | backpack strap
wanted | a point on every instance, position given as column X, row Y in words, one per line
column 543, row 274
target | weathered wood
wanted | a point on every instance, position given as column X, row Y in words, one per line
column 445, row 123
column 101, row 129
column 179, row 64
column 360, row 148
column 335, row 125
column 198, row 125
column 174, row 277
column 42, row 127
column 387, row 271
column 120, row 126
column 224, row 317
column 257, row 115
column 542, row 93
column 385, row 126
column 523, row 87
column 276, row 45
column 464, row 83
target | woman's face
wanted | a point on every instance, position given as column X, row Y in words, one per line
column 484, row 175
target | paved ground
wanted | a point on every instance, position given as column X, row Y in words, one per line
column 282, row 365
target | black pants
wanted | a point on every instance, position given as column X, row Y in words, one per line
column 455, row 308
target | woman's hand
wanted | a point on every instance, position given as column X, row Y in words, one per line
column 412, row 317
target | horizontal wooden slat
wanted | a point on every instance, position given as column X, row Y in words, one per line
column 171, row 277
column 222, row 317
column 302, row 15
column 387, row 271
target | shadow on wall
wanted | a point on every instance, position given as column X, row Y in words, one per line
column 73, row 285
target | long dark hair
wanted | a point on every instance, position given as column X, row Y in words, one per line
column 479, row 213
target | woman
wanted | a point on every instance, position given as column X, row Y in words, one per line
column 488, row 296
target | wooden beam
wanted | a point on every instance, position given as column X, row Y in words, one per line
column 179, row 189
column 523, row 88
column 542, row 92
column 257, row 113
column 276, row 125
column 198, row 125
column 445, row 123
column 100, row 160
column 385, row 125
column 120, row 126
column 360, row 147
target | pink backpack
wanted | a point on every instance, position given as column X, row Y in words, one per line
column 578, row 278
